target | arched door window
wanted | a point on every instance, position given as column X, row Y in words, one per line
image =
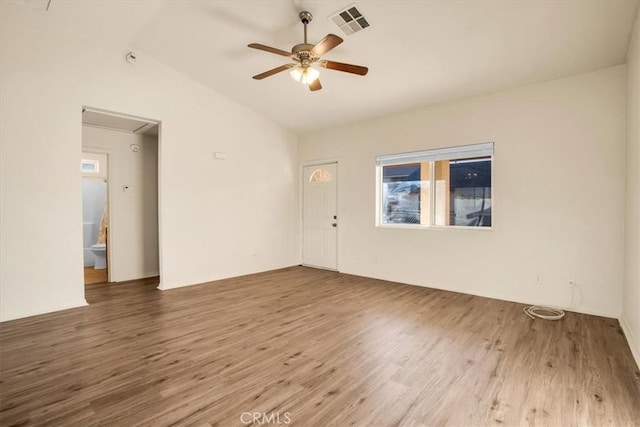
column 319, row 175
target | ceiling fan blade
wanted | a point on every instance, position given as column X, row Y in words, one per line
column 270, row 49
column 347, row 68
column 315, row 85
column 326, row 44
column 272, row 71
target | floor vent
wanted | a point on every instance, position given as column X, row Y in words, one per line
column 350, row 20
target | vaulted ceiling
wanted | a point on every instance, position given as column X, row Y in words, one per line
column 418, row 52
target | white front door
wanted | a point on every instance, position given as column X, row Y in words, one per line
column 319, row 216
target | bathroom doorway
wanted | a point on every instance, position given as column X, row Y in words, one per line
column 127, row 232
column 95, row 217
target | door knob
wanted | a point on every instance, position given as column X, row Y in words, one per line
column 335, row 217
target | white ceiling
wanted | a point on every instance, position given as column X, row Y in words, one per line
column 418, row 52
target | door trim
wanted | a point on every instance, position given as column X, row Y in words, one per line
column 301, row 167
column 159, row 180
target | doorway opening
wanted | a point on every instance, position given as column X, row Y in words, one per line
column 120, row 197
column 95, row 216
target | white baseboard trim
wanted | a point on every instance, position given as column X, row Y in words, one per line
column 631, row 340
column 221, row 277
column 30, row 313
column 494, row 295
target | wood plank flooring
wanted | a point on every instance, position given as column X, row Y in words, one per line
column 315, row 348
column 93, row 276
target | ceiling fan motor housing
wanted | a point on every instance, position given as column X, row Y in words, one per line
column 302, row 53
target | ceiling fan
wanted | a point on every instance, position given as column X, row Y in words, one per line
column 307, row 56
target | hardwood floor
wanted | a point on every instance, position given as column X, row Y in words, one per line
column 315, row 348
column 93, row 276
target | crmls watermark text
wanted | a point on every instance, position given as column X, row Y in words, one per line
column 265, row 418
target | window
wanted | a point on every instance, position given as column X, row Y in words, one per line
column 436, row 188
column 319, row 175
column 90, row 166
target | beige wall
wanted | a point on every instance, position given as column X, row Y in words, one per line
column 133, row 215
column 631, row 307
column 208, row 226
column 558, row 188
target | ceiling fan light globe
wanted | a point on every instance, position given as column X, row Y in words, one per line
column 296, row 74
column 309, row 75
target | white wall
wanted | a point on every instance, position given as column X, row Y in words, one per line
column 558, row 194
column 217, row 218
column 631, row 306
column 133, row 215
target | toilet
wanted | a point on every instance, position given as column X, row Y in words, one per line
column 100, row 251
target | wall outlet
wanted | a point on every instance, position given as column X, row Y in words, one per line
column 539, row 279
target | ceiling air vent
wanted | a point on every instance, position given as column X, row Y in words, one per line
column 349, row 20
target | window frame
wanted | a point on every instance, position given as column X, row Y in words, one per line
column 434, row 155
column 94, row 162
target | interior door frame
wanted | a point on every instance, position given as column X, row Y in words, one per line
column 110, row 166
column 301, row 167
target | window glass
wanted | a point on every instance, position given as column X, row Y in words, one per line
column 89, row 166
column 319, row 175
column 463, row 192
column 401, row 194
column 448, row 187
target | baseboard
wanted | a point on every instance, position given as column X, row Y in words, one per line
column 222, row 277
column 16, row 316
column 496, row 295
column 631, row 340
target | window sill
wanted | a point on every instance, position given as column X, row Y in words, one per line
column 434, row 227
